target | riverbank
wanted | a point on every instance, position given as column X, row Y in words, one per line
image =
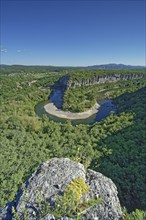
column 53, row 110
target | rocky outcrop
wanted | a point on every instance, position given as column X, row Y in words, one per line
column 51, row 179
column 73, row 83
column 67, row 82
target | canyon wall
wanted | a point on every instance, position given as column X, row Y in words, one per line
column 73, row 83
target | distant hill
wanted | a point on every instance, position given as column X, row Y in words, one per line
column 38, row 68
column 115, row 66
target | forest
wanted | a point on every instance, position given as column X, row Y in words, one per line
column 115, row 146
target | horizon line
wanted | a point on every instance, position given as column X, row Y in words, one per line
column 3, row 64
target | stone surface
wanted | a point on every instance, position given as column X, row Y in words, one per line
column 50, row 180
column 67, row 82
column 101, row 186
column 99, row 79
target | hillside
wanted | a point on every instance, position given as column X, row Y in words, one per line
column 115, row 66
column 115, row 146
column 9, row 69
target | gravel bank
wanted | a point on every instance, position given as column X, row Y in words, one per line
column 53, row 110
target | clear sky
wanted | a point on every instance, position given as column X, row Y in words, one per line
column 70, row 33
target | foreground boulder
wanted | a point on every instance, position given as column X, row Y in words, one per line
column 50, row 181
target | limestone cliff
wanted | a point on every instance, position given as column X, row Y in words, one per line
column 98, row 79
column 50, row 180
column 67, row 81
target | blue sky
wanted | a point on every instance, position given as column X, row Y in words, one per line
column 73, row 33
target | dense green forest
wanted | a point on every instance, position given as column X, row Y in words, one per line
column 116, row 146
column 126, row 164
column 20, row 69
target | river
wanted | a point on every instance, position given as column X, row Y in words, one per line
column 106, row 108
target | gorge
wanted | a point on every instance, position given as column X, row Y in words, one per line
column 114, row 147
column 97, row 112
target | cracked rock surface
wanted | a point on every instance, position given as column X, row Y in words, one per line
column 51, row 179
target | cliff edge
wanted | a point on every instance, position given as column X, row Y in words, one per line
column 51, row 181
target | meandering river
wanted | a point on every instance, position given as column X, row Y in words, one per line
column 56, row 97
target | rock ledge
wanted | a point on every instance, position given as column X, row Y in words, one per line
column 51, row 179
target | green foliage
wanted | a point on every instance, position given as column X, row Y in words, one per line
column 73, row 201
column 23, row 70
column 79, row 99
column 135, row 215
column 15, row 215
column 126, row 165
